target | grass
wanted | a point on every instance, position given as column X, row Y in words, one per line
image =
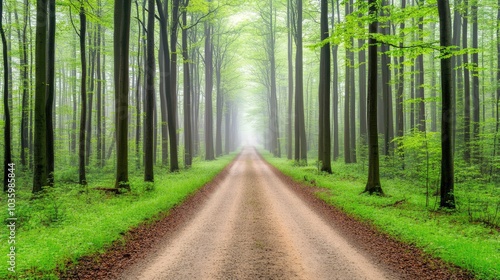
column 70, row 221
column 454, row 236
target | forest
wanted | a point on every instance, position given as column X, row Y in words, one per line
column 108, row 103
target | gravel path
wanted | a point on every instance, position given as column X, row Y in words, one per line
column 253, row 222
column 255, row 227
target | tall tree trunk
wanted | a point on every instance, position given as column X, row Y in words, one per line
column 347, row 101
column 90, row 103
column 150, row 94
column 82, row 180
column 456, row 61
column 40, row 146
column 388, row 127
column 400, row 89
column 209, row 139
column 475, row 83
column 25, row 86
column 324, row 146
column 188, row 141
column 121, row 70
column 373, row 185
column 289, row 145
column 49, row 106
column 335, row 85
column 7, row 134
column 421, row 125
column 362, row 88
column 172, row 95
column 218, row 106
column 99, row 149
column 447, row 170
column 163, row 100
column 465, row 38
column 300, row 131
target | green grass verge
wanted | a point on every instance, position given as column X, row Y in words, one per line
column 70, row 221
column 450, row 236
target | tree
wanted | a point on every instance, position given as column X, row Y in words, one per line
column 7, row 135
column 335, row 86
column 347, row 99
column 465, row 38
column 373, row 185
column 324, row 148
column 188, row 139
column 121, row 76
column 290, row 81
column 83, row 91
column 40, row 145
column 150, row 95
column 447, row 169
column 172, row 94
column 49, row 105
column 300, row 130
column 209, row 137
column 475, row 81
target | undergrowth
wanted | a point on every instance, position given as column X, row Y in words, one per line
column 68, row 221
column 468, row 236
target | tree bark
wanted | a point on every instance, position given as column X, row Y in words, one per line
column 373, row 185
column 121, row 71
column 7, row 134
column 300, row 132
column 40, row 145
column 324, row 146
column 467, row 152
column 150, row 95
column 82, row 180
column 188, row 140
column 209, row 138
column 447, row 170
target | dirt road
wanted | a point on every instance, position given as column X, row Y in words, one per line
column 254, row 227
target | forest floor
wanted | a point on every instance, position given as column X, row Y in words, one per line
column 253, row 222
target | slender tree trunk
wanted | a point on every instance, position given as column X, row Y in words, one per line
column 25, row 87
column 335, row 85
column 7, row 134
column 121, row 70
column 475, row 83
column 99, row 149
column 373, row 185
column 82, row 180
column 91, row 83
column 49, row 105
column 150, row 95
column 300, row 132
column 209, row 139
column 188, row 141
column 421, row 124
column 172, row 95
column 289, row 136
column 400, row 89
column 324, row 146
column 447, row 170
column 40, row 146
column 465, row 38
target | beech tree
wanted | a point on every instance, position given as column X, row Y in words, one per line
column 324, row 148
column 373, row 185
column 40, row 145
column 447, row 169
column 121, row 38
column 7, row 136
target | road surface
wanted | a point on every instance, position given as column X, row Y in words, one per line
column 254, row 227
